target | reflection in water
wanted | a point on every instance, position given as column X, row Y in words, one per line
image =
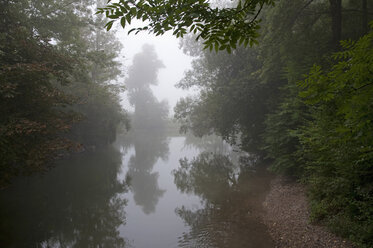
column 231, row 196
column 150, row 145
column 74, row 205
column 216, row 145
column 81, row 202
column 210, row 143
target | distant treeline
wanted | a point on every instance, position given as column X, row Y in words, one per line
column 302, row 99
column 56, row 67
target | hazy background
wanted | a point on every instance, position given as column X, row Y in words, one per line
column 167, row 49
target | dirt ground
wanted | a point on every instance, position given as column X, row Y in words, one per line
column 287, row 218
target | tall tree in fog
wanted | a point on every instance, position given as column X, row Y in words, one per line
column 149, row 112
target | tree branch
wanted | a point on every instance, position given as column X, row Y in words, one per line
column 356, row 10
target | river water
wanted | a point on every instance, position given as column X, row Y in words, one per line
column 148, row 190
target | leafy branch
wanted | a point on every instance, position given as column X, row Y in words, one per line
column 219, row 28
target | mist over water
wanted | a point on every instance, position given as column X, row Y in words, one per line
column 147, row 190
column 152, row 187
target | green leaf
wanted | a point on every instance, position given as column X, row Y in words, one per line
column 222, row 47
column 133, row 29
column 128, row 18
column 133, row 11
column 229, row 49
column 123, row 22
column 139, row 14
column 109, row 25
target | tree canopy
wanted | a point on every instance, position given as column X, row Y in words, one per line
column 56, row 95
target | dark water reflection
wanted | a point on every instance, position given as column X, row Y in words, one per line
column 74, row 205
column 231, row 198
column 148, row 190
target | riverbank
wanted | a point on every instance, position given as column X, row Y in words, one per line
column 287, row 218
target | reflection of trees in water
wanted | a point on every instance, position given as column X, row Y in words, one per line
column 214, row 144
column 230, row 196
column 150, row 145
column 148, row 122
column 210, row 143
column 207, row 169
column 77, row 204
column 144, row 185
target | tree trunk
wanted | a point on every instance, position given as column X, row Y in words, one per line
column 364, row 8
column 336, row 15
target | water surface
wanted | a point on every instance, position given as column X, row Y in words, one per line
column 148, row 190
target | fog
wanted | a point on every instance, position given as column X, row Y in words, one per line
column 167, row 49
column 273, row 110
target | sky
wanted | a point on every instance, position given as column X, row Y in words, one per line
column 167, row 49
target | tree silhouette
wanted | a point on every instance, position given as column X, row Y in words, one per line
column 149, row 112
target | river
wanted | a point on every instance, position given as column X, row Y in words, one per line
column 147, row 190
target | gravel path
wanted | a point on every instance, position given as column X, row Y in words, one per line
column 287, row 218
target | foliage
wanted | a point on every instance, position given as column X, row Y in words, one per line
column 291, row 44
column 318, row 131
column 281, row 135
column 54, row 72
column 99, row 102
column 338, row 142
column 239, row 121
column 32, row 107
column 101, row 114
column 220, row 28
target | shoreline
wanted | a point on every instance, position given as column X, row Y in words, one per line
column 286, row 215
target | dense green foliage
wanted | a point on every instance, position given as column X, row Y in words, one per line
column 312, row 124
column 220, row 27
column 338, row 141
column 55, row 70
